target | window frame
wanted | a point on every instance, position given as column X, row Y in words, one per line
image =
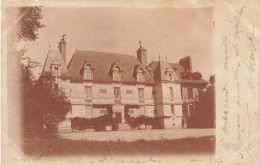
column 190, row 93
column 117, row 90
column 171, row 92
column 88, row 72
column 116, row 75
column 88, row 89
column 141, row 93
column 140, row 74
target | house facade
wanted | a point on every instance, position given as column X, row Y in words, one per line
column 99, row 83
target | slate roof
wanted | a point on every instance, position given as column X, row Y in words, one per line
column 54, row 55
column 102, row 62
column 158, row 68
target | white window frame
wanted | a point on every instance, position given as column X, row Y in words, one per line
column 140, row 75
column 116, row 74
column 88, row 72
column 141, row 93
column 88, row 92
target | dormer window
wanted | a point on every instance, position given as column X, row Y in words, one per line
column 170, row 77
column 88, row 72
column 116, row 74
column 169, row 73
column 140, row 75
column 55, row 68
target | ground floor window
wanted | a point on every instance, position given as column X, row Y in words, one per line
column 141, row 110
column 172, row 111
column 89, row 111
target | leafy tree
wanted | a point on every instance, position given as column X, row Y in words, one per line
column 204, row 115
column 45, row 105
column 30, row 23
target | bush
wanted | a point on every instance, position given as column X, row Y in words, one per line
column 97, row 123
column 137, row 121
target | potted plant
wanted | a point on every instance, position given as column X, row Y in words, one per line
column 141, row 120
column 108, row 121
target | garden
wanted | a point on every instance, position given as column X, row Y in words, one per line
column 108, row 123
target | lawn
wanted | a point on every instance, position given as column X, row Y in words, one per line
column 58, row 146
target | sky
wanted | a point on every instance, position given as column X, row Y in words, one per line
column 171, row 32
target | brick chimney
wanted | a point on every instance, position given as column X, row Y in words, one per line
column 186, row 63
column 62, row 48
column 141, row 54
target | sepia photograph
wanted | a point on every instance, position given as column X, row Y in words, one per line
column 123, row 81
column 111, row 81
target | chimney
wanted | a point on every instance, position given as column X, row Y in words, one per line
column 62, row 48
column 141, row 54
column 186, row 63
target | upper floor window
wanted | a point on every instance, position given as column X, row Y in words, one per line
column 141, row 93
column 116, row 74
column 140, row 75
column 88, row 72
column 170, row 77
column 88, row 92
column 190, row 94
column 169, row 73
column 55, row 68
column 117, row 92
column 171, row 92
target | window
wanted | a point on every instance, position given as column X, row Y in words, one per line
column 190, row 93
column 116, row 74
column 170, row 77
column 88, row 72
column 89, row 111
column 141, row 93
column 117, row 92
column 140, row 75
column 195, row 93
column 56, row 70
column 172, row 111
column 171, row 92
column 141, row 111
column 88, row 92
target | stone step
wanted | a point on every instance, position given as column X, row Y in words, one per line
column 124, row 127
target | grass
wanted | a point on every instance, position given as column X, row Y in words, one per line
column 58, row 146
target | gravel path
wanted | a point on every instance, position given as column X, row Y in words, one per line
column 138, row 134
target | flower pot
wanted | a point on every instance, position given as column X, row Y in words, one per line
column 149, row 126
column 141, row 126
column 108, row 127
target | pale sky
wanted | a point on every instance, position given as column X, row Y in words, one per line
column 175, row 33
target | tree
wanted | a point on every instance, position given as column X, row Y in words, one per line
column 30, row 23
column 204, row 116
column 45, row 105
column 42, row 106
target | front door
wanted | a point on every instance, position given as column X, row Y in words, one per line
column 118, row 117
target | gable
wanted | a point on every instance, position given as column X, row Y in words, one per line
column 54, row 57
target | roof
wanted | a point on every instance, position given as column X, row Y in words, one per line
column 54, row 56
column 102, row 62
column 159, row 67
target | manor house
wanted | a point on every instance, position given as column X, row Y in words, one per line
column 99, row 83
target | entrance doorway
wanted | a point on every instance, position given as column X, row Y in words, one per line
column 118, row 117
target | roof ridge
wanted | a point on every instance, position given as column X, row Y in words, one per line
column 113, row 53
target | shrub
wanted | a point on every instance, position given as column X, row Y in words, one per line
column 97, row 123
column 137, row 121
